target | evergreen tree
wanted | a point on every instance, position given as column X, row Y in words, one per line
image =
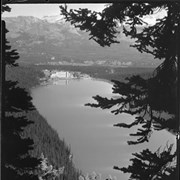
column 140, row 96
column 148, row 165
column 16, row 162
column 153, row 100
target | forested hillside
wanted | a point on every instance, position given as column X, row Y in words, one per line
column 46, row 139
column 26, row 76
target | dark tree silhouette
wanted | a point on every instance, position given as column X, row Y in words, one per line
column 16, row 162
column 148, row 165
column 4, row 7
column 136, row 98
column 140, row 96
column 10, row 55
column 17, row 99
column 154, row 100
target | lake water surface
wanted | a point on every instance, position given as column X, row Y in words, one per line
column 96, row 145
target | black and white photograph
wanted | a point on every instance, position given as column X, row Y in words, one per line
column 90, row 90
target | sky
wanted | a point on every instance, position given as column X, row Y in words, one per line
column 40, row 10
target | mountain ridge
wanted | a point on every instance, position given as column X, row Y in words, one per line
column 51, row 39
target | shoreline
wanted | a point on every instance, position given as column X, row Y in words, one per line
column 47, row 79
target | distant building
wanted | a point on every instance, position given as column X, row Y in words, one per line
column 61, row 74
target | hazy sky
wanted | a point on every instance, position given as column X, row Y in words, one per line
column 40, row 10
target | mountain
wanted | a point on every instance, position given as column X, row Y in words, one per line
column 53, row 40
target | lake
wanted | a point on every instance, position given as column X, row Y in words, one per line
column 96, row 145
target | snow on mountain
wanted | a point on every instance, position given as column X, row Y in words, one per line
column 54, row 19
column 60, row 20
